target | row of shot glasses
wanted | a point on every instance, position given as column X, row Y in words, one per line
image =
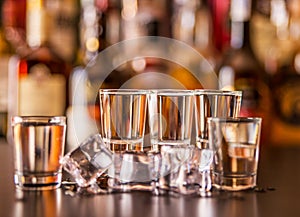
column 168, row 141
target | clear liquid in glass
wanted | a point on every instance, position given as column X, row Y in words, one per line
column 38, row 149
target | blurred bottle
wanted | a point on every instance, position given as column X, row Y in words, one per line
column 285, row 81
column 240, row 69
column 286, row 114
column 192, row 23
column 63, row 28
column 274, row 30
column 104, row 23
column 41, row 69
column 144, row 18
column 14, row 24
column 38, row 73
column 5, row 53
column 221, row 23
column 107, row 22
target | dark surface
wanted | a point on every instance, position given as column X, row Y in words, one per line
column 277, row 194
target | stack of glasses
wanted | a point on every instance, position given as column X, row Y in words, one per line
column 224, row 152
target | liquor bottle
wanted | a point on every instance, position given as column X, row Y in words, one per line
column 104, row 23
column 276, row 38
column 204, row 34
column 285, row 85
column 286, row 114
column 14, row 24
column 38, row 73
column 5, row 53
column 240, row 70
column 274, row 30
column 144, row 18
column 42, row 72
column 221, row 23
column 64, row 40
column 192, row 24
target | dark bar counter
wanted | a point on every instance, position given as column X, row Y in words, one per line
column 277, row 194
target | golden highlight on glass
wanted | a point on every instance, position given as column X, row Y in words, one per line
column 214, row 103
column 235, row 142
column 39, row 143
column 122, row 118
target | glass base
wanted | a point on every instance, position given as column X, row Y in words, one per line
column 118, row 186
column 229, row 183
column 36, row 182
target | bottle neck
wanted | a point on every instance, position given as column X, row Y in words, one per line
column 240, row 34
column 240, row 13
column 35, row 23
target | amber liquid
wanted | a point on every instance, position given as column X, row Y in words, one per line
column 121, row 145
column 38, row 149
column 236, row 167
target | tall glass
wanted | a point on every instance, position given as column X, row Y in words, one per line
column 213, row 103
column 38, row 147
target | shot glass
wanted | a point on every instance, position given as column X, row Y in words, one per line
column 122, row 118
column 170, row 117
column 38, row 147
column 213, row 103
column 235, row 142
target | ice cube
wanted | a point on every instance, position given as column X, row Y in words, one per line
column 88, row 161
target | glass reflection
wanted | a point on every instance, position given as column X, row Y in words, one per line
column 37, row 203
column 237, row 204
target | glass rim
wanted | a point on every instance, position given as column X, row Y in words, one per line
column 235, row 119
column 172, row 92
column 218, row 92
column 60, row 119
column 123, row 91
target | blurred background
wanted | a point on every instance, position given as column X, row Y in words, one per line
column 46, row 46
